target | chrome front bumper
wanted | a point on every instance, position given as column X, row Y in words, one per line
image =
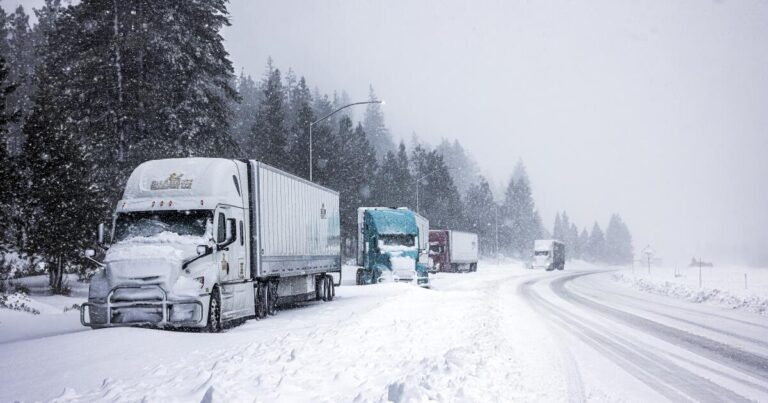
column 158, row 312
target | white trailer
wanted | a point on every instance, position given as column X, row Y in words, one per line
column 201, row 241
column 453, row 251
column 463, row 247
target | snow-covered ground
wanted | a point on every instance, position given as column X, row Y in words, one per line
column 469, row 338
column 504, row 333
column 733, row 287
column 56, row 313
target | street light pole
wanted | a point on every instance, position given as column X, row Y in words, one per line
column 326, row 117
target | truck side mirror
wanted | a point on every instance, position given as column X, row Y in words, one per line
column 202, row 250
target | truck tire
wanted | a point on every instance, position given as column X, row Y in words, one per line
column 326, row 289
column 262, row 298
column 272, row 298
column 331, row 288
column 561, row 266
column 359, row 277
column 319, row 288
column 214, row 313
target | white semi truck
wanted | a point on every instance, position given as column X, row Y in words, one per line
column 198, row 242
column 548, row 254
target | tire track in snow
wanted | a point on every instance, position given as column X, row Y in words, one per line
column 734, row 357
column 667, row 310
column 664, row 376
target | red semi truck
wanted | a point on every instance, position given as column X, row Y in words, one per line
column 453, row 251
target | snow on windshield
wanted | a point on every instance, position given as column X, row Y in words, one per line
column 164, row 226
column 393, row 243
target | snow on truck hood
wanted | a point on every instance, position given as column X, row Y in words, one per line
column 150, row 260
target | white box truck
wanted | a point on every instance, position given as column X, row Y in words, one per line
column 197, row 242
column 453, row 251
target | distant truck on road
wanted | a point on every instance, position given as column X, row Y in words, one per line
column 197, row 242
column 548, row 254
column 388, row 246
column 453, row 251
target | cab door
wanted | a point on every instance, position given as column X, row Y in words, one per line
column 240, row 271
column 223, row 258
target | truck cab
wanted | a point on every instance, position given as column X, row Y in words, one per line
column 388, row 247
column 178, row 236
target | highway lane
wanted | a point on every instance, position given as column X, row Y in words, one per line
column 676, row 350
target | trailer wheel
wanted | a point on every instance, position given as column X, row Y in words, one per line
column 561, row 267
column 214, row 313
column 319, row 287
column 359, row 277
column 331, row 288
column 262, row 300
column 272, row 298
column 326, row 289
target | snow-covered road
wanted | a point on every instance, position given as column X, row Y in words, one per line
column 630, row 345
column 503, row 333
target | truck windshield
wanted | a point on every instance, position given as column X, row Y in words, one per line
column 150, row 223
column 541, row 253
column 397, row 240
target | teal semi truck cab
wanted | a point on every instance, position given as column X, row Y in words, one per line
column 389, row 246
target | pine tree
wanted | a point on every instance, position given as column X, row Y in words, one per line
column 270, row 135
column 583, row 245
column 373, row 124
column 573, row 241
column 21, row 66
column 557, row 229
column 352, row 168
column 438, row 197
column 58, row 193
column 303, row 115
column 463, row 168
column 125, row 100
column 395, row 186
column 9, row 178
column 522, row 225
column 482, row 215
column 596, row 245
column 244, row 113
column 618, row 242
column 569, row 236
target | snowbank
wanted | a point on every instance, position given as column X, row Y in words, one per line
column 678, row 286
column 55, row 314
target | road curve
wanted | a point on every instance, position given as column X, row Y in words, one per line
column 678, row 352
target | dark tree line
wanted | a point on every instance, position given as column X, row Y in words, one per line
column 614, row 246
column 95, row 88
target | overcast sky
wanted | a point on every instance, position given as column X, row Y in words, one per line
column 657, row 110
